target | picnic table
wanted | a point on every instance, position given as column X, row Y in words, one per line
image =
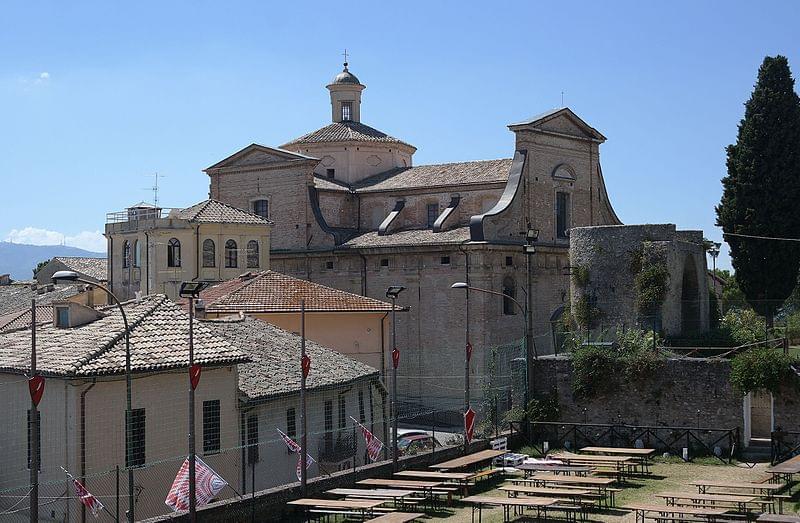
column 508, row 504
column 661, row 512
column 397, row 496
column 469, row 460
column 740, row 502
column 578, row 470
column 363, row 508
column 396, row 517
column 785, row 471
column 428, row 488
column 766, row 490
column 619, row 451
column 601, row 485
column 463, row 479
column 620, row 464
column 578, row 496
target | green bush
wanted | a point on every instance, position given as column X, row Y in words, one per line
column 792, row 330
column 580, row 276
column 597, row 370
column 761, row 369
column 742, row 326
column 651, row 286
column 586, row 314
column 544, row 407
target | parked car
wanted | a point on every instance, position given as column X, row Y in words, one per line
column 416, row 443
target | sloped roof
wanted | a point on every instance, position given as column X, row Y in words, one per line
column 346, row 132
column 22, row 319
column 213, row 211
column 275, row 357
column 159, row 340
column 270, row 291
column 561, row 111
column 409, row 238
column 14, row 298
column 458, row 173
column 96, row 268
column 257, row 154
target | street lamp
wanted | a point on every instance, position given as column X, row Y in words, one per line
column 191, row 290
column 72, row 276
column 523, row 310
column 714, row 252
column 392, row 293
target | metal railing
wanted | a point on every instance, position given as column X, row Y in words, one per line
column 710, row 441
column 784, row 445
column 139, row 214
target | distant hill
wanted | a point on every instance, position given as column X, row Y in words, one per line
column 19, row 259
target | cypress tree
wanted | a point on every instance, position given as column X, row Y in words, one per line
column 761, row 192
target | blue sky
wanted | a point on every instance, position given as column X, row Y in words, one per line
column 95, row 97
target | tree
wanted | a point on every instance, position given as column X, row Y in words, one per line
column 39, row 266
column 762, row 188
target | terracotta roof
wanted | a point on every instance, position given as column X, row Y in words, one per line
column 409, row 238
column 346, row 132
column 213, row 211
column 14, row 298
column 96, row 268
column 22, row 318
column 159, row 340
column 271, row 291
column 275, row 356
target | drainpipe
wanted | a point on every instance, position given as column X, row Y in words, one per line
column 83, row 441
column 363, row 274
column 358, row 212
column 383, row 347
column 197, row 253
column 110, row 266
column 147, row 262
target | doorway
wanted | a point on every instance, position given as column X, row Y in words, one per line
column 758, row 416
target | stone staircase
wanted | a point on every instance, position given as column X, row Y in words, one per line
column 759, row 451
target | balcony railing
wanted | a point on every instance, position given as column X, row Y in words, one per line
column 139, row 214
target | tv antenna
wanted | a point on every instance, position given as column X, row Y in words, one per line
column 562, row 98
column 154, row 188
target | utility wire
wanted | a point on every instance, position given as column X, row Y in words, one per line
column 760, row 237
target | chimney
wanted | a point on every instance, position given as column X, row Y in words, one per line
column 200, row 309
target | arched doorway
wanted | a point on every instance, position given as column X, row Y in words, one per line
column 690, row 298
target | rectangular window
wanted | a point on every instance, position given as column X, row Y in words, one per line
column 329, row 265
column 261, row 208
column 384, row 262
column 291, row 424
column 252, row 439
column 328, row 426
column 347, row 111
column 34, row 439
column 562, row 215
column 136, row 454
column 342, row 412
column 330, row 173
column 445, row 260
column 433, row 213
column 362, row 416
column 211, row 427
column 509, row 261
column 62, row 317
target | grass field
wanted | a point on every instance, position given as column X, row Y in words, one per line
column 668, row 475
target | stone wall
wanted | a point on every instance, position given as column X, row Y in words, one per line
column 670, row 397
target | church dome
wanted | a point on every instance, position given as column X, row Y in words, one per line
column 345, row 77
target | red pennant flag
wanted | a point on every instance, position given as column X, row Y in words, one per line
column 36, row 388
column 395, row 358
column 194, row 375
column 305, row 364
column 469, row 351
column 469, row 424
column 207, row 485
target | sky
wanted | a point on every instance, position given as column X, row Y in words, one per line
column 96, row 98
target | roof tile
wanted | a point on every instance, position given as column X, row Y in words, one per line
column 346, row 132
column 213, row 211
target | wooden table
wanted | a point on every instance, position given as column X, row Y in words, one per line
column 619, row 451
column 469, row 460
column 364, row 508
column 396, row 517
column 462, row 478
column 602, row 485
column 765, row 489
column 396, row 495
column 785, row 471
column 621, row 464
column 669, row 512
column 573, row 494
column 741, row 503
column 567, row 470
column 426, row 487
column 778, row 518
column 507, row 503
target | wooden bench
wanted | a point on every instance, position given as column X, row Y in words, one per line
column 397, row 517
column 668, row 512
column 778, row 518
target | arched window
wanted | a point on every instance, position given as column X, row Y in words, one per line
column 209, row 253
column 173, row 253
column 231, row 258
column 126, row 254
column 137, row 253
column 509, row 289
column 252, row 254
column 261, row 208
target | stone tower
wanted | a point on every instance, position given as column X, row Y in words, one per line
column 346, row 97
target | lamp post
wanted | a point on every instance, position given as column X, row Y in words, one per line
column 531, row 237
column 73, row 276
column 714, row 252
column 523, row 310
column 191, row 290
column 392, row 293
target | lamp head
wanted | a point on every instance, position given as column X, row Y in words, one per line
column 394, row 290
column 532, row 235
column 60, row 276
column 191, row 289
column 459, row 285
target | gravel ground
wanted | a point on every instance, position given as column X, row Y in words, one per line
column 665, row 477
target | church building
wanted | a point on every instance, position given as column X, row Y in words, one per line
column 349, row 209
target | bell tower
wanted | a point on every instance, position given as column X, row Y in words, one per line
column 346, row 96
